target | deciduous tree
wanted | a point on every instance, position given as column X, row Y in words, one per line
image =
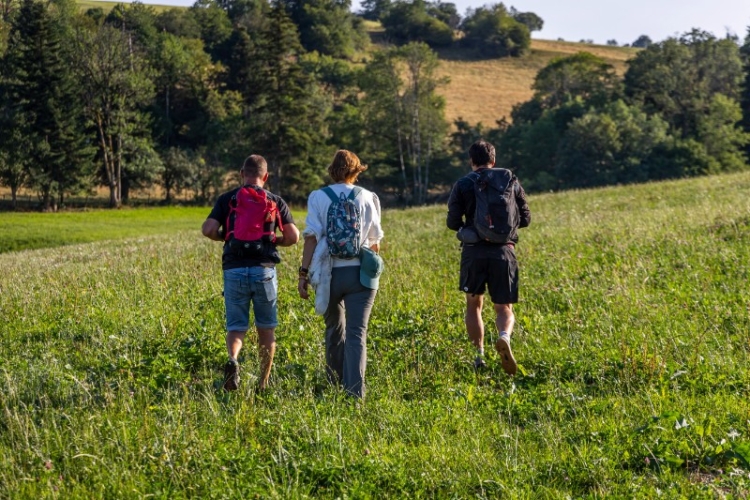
column 116, row 85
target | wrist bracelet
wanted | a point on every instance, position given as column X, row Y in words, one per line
column 303, row 271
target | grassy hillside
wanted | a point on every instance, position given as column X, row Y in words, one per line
column 107, row 6
column 486, row 90
column 631, row 336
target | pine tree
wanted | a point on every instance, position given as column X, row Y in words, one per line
column 289, row 118
column 46, row 106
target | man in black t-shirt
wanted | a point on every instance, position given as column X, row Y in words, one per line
column 250, row 278
column 487, row 265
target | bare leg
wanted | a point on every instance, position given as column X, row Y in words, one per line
column 504, row 318
column 504, row 321
column 234, row 343
column 266, row 351
column 473, row 319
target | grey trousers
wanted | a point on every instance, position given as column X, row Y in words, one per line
column 346, row 320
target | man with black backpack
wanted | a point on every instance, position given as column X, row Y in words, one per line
column 486, row 207
column 246, row 220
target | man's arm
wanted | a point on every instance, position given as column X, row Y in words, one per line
column 211, row 229
column 523, row 206
column 455, row 218
column 289, row 236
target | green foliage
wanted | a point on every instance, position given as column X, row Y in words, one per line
column 44, row 109
column 631, row 337
column 215, row 25
column 403, row 117
column 289, row 122
column 410, row 21
column 582, row 129
column 642, row 42
column 374, row 10
column 116, row 86
column 178, row 173
column 582, row 75
column 327, row 26
column 529, row 19
column 678, row 78
column 492, row 31
column 611, row 146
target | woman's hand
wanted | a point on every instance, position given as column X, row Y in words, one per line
column 302, row 284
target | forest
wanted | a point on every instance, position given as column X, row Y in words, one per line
column 139, row 97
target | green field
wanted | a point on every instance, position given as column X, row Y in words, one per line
column 632, row 338
column 23, row 231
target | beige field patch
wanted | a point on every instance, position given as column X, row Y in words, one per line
column 485, row 90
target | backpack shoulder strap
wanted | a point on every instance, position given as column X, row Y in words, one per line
column 355, row 192
column 327, row 190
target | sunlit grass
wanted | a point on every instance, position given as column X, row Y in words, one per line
column 631, row 336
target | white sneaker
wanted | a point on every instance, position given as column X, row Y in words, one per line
column 502, row 346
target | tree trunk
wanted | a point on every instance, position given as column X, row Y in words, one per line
column 124, row 190
column 427, row 167
column 119, row 170
column 109, row 167
column 404, row 186
column 14, row 197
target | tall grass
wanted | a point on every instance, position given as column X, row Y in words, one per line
column 632, row 337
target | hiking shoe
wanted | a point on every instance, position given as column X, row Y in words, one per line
column 502, row 346
column 231, row 376
column 479, row 363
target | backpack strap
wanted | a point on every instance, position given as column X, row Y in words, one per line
column 327, row 190
column 332, row 195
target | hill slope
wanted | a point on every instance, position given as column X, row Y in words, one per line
column 486, row 90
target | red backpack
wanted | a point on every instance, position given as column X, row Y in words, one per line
column 252, row 220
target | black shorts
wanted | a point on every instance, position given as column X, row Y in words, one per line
column 494, row 267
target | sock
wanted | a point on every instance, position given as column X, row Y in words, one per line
column 480, row 352
column 506, row 336
column 232, row 360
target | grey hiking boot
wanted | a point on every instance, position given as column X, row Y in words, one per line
column 231, row 376
column 502, row 346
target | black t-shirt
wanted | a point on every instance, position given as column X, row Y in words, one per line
column 220, row 212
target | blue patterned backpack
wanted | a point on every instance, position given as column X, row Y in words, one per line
column 343, row 224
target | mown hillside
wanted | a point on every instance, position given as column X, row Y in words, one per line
column 485, row 90
column 631, row 336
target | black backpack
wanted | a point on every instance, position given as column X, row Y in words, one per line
column 496, row 214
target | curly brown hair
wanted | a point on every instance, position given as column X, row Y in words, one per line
column 345, row 167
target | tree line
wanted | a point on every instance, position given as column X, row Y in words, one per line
column 133, row 98
column 681, row 109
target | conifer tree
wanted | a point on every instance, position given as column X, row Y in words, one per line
column 288, row 119
column 46, row 106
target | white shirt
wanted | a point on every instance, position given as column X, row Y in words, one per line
column 371, row 231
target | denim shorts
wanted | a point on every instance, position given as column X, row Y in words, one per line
column 244, row 285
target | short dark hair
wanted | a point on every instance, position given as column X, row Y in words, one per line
column 482, row 153
column 254, row 166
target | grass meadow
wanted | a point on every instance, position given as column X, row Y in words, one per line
column 632, row 337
